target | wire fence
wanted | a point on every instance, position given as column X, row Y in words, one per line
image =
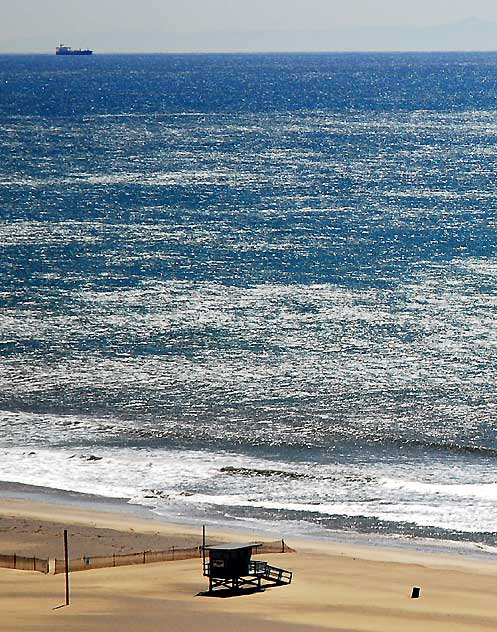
column 149, row 557
column 87, row 562
column 21, row 563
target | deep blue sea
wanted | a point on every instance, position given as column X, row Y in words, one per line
column 254, row 287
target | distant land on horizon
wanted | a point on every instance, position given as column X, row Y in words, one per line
column 465, row 36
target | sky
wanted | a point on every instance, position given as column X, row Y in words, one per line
column 247, row 25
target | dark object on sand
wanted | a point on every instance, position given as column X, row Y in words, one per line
column 415, row 592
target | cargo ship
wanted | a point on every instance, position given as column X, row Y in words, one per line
column 67, row 50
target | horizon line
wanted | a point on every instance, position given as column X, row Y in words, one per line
column 269, row 52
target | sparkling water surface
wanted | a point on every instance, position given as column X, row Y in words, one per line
column 254, row 286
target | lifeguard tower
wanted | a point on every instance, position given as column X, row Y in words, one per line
column 230, row 567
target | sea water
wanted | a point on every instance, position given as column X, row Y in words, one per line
column 254, row 287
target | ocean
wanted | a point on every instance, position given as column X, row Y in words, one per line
column 254, row 289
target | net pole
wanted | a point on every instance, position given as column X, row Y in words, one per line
column 66, row 564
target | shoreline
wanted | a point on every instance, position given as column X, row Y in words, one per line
column 90, row 510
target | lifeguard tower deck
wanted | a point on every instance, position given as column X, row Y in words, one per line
column 230, row 567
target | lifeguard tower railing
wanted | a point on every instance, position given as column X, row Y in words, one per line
column 259, row 568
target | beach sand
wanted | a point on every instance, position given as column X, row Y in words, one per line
column 336, row 587
column 33, row 535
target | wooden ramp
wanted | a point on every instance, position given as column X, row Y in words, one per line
column 272, row 574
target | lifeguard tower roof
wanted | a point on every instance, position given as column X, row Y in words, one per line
column 232, row 546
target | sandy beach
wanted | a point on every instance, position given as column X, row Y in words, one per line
column 336, row 587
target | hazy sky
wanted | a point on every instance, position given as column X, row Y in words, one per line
column 230, row 25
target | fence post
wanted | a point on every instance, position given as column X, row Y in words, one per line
column 66, row 564
column 282, row 545
column 34, row 563
column 15, row 560
column 173, row 552
column 113, row 559
column 144, row 557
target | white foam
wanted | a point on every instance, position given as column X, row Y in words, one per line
column 484, row 491
column 186, row 481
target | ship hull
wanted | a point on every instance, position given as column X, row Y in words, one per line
column 75, row 52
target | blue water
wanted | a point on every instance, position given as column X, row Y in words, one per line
column 254, row 286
